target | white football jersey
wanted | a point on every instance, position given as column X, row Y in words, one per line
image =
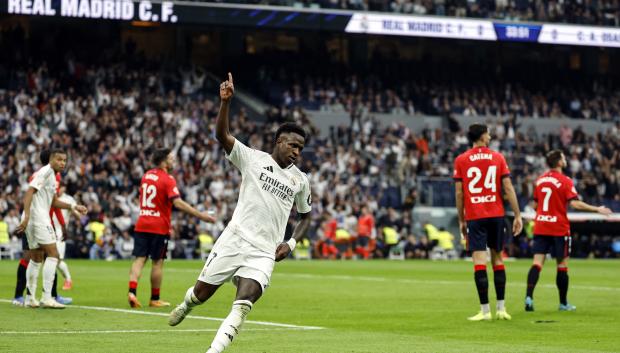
column 266, row 197
column 65, row 213
column 44, row 180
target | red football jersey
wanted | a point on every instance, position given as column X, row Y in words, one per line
column 481, row 170
column 56, row 211
column 552, row 193
column 157, row 191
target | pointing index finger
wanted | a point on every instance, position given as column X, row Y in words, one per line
column 230, row 78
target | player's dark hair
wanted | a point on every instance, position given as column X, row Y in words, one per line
column 290, row 127
column 44, row 156
column 53, row 152
column 476, row 131
column 553, row 158
column 160, row 155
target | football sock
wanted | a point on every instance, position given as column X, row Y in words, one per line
column 55, row 285
column 49, row 272
column 231, row 326
column 499, row 279
column 561, row 280
column 133, row 287
column 64, row 270
column 485, row 308
column 32, row 277
column 482, row 283
column 190, row 298
column 154, row 293
column 532, row 279
column 21, row 278
column 501, row 306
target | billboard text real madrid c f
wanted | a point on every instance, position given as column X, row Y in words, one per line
column 96, row 9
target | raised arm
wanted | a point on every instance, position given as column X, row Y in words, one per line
column 298, row 233
column 582, row 206
column 511, row 195
column 222, row 133
column 187, row 208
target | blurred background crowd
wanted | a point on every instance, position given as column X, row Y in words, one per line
column 367, row 177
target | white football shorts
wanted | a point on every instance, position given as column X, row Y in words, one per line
column 233, row 257
column 40, row 234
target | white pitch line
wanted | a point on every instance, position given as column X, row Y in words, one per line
column 138, row 312
column 125, row 331
column 416, row 281
column 408, row 281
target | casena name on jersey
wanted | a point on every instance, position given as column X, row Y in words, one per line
column 479, row 156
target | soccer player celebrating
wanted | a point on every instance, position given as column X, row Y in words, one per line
column 253, row 240
column 158, row 193
column 479, row 174
column 39, row 199
column 553, row 191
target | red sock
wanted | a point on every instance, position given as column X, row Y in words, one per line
column 154, row 293
column 133, row 287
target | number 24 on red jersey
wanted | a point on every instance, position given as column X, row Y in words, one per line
column 481, row 170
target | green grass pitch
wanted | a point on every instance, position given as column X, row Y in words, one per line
column 359, row 306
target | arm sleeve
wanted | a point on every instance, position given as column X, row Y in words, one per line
column 303, row 199
column 173, row 190
column 571, row 191
column 504, row 170
column 240, row 155
column 39, row 178
column 457, row 176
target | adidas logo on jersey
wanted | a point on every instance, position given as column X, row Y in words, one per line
column 269, row 168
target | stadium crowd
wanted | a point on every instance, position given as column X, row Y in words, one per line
column 362, row 95
column 364, row 176
column 603, row 13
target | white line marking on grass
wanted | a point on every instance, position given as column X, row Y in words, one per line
column 138, row 312
column 126, row 331
column 418, row 281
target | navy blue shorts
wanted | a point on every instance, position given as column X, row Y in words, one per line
column 150, row 245
column 363, row 241
column 558, row 247
column 486, row 232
